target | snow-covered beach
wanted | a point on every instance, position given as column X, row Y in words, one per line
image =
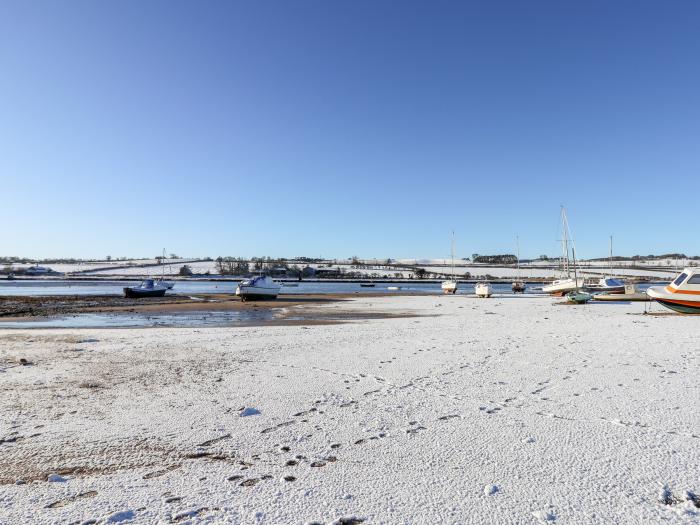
column 508, row 410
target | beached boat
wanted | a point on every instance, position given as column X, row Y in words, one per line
column 630, row 293
column 450, row 286
column 518, row 286
column 577, row 296
column 162, row 282
column 607, row 285
column 147, row 288
column 261, row 287
column 562, row 286
column 565, row 284
column 682, row 295
column 483, row 289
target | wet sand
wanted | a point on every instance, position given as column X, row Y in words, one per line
column 291, row 309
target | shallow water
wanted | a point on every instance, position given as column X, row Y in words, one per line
column 131, row 320
column 43, row 288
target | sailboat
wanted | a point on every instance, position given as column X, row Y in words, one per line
column 577, row 296
column 450, row 286
column 518, row 285
column 608, row 284
column 162, row 282
column 565, row 284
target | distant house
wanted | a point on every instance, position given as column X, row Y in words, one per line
column 308, row 271
column 328, row 273
column 278, row 271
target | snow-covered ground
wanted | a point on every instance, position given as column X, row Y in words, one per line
column 509, row 410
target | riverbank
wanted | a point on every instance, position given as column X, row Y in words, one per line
column 509, row 410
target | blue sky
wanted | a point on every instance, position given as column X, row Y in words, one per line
column 335, row 128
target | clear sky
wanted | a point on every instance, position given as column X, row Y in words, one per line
column 331, row 128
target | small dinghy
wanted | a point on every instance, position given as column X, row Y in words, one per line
column 483, row 289
column 147, row 288
column 393, row 288
column 261, row 287
column 578, row 297
column 682, row 295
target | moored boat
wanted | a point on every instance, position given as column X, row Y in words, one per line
column 518, row 286
column 577, row 296
column 682, row 295
column 450, row 285
column 630, row 294
column 148, row 288
column 261, row 287
column 563, row 286
column 483, row 289
column 606, row 285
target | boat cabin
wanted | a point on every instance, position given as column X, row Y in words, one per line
column 688, row 280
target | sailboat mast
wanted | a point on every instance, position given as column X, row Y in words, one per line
column 517, row 255
column 611, row 260
column 453, row 255
column 565, row 241
column 573, row 252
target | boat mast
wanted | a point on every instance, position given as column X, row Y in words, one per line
column 453, row 255
column 611, row 261
column 517, row 255
column 565, row 242
column 573, row 252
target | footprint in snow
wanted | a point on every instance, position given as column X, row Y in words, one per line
column 71, row 499
column 545, row 516
column 490, row 490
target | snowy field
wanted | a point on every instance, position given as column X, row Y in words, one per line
column 509, row 410
column 140, row 268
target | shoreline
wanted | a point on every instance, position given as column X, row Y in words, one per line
column 290, row 309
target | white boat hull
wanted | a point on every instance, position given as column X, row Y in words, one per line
column 682, row 301
column 563, row 285
column 483, row 290
column 449, row 287
column 257, row 292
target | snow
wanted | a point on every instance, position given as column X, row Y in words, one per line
column 577, row 414
column 55, row 478
column 658, row 269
